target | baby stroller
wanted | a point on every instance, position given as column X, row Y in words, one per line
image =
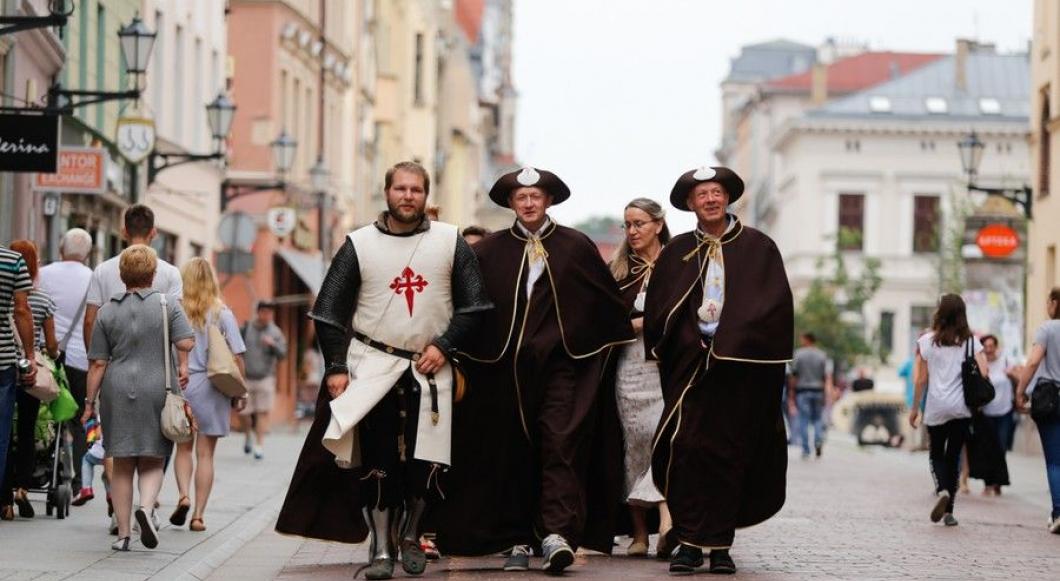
column 53, row 466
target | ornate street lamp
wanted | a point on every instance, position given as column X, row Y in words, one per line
column 219, row 115
column 971, row 150
column 137, row 42
column 283, row 150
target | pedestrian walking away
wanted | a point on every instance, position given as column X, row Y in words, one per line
column 1040, row 382
column 18, row 477
column 810, row 388
column 16, row 317
column 194, row 460
column 67, row 282
column 638, row 389
column 940, row 354
column 410, row 292
column 265, row 347
column 127, row 373
column 537, row 444
column 721, row 331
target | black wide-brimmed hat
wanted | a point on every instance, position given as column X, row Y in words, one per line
column 687, row 182
column 525, row 178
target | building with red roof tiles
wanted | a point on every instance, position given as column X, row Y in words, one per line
column 853, row 73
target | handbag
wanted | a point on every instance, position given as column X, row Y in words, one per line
column 978, row 391
column 176, row 418
column 1045, row 400
column 221, row 367
column 65, row 407
column 45, row 387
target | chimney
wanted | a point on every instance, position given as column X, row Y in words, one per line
column 819, row 84
column 960, row 63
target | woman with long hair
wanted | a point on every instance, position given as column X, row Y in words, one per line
column 940, row 354
column 204, row 308
column 19, row 476
column 638, row 390
column 1043, row 367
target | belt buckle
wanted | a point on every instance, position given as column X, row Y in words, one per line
column 390, row 350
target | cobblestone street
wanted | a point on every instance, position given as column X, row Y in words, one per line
column 855, row 514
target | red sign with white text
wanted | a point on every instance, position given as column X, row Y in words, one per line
column 82, row 170
column 997, row 240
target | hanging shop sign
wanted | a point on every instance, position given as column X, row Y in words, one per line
column 29, row 142
column 81, row 170
column 282, row 221
column 135, row 137
column 997, row 240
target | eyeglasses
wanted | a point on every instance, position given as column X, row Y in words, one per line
column 637, row 224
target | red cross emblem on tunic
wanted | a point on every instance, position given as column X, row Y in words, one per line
column 409, row 283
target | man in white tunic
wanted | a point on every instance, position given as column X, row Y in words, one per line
column 400, row 297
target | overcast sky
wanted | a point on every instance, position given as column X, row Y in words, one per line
column 619, row 97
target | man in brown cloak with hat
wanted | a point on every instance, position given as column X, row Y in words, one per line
column 409, row 292
column 722, row 329
column 524, row 435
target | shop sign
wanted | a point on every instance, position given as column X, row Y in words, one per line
column 28, row 142
column 997, row 240
column 282, row 221
column 135, row 137
column 81, row 170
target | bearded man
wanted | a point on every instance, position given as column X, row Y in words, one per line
column 409, row 292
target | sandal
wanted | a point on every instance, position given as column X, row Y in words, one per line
column 25, row 509
column 180, row 514
column 7, row 512
column 197, row 525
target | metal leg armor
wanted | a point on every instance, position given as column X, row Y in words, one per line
column 382, row 551
column 413, row 559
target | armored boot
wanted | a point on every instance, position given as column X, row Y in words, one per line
column 381, row 551
column 413, row 559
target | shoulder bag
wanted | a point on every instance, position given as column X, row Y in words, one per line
column 978, row 391
column 1045, row 400
column 176, row 418
column 221, row 367
column 45, row 387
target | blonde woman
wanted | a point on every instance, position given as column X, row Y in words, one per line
column 203, row 306
column 638, row 389
column 127, row 373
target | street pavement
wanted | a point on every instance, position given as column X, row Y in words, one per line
column 854, row 514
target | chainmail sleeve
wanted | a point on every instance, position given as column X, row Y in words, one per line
column 334, row 307
column 469, row 299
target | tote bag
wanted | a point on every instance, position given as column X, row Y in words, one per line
column 221, row 367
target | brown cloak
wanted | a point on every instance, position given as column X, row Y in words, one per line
column 530, row 451
column 720, row 455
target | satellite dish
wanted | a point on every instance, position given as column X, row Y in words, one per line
column 237, row 230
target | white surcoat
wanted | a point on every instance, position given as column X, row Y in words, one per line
column 405, row 301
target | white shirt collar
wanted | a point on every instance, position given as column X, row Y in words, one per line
column 528, row 233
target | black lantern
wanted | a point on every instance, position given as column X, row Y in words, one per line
column 283, row 152
column 219, row 114
column 971, row 150
column 136, row 45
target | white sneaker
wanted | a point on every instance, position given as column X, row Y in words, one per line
column 1054, row 526
column 940, row 506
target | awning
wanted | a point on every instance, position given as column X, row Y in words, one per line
column 308, row 267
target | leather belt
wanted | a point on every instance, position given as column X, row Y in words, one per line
column 404, row 354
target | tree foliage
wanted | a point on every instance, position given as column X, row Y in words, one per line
column 833, row 308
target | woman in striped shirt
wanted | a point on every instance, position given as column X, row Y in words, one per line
column 19, row 472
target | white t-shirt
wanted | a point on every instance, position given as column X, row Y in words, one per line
column 1002, row 402
column 106, row 281
column 66, row 283
column 945, row 394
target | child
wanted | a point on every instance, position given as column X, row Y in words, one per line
column 94, row 457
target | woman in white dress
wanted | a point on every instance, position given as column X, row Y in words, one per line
column 637, row 385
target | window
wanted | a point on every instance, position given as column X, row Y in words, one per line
column 196, row 249
column 82, row 46
column 989, row 106
column 1044, row 145
column 417, row 83
column 101, row 60
column 886, row 333
column 198, row 103
column 936, row 105
column 165, row 244
column 1050, row 267
column 158, row 73
column 851, row 221
column 178, row 84
column 925, row 223
column 919, row 322
column 879, row 104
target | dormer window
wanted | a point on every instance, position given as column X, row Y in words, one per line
column 989, row 106
column 879, row 104
column 936, row 105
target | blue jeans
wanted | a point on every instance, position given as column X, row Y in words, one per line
column 1050, row 433
column 8, row 390
column 810, row 404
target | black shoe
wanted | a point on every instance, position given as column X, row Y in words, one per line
column 817, row 449
column 413, row 559
column 721, row 562
column 148, row 533
column 686, row 560
column 379, row 569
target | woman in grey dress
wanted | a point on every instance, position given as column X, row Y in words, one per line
column 127, row 372
column 203, row 307
column 637, row 386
